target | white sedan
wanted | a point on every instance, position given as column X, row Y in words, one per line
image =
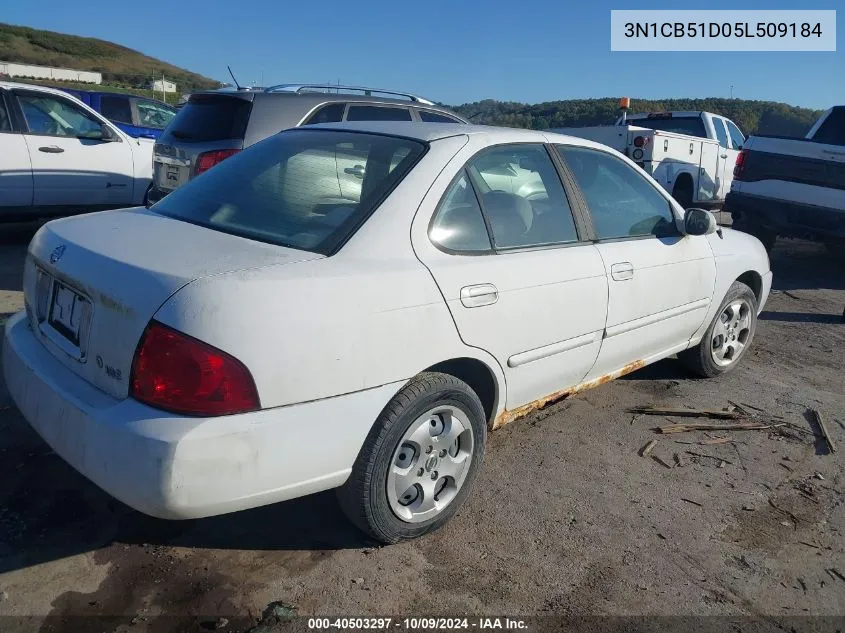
column 264, row 333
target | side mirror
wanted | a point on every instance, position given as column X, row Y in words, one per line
column 699, row 222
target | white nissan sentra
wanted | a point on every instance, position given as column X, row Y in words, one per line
column 354, row 307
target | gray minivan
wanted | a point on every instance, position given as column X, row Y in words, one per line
column 214, row 125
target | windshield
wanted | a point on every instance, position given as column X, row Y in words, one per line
column 305, row 189
column 690, row 125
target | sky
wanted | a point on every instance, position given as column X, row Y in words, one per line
column 452, row 52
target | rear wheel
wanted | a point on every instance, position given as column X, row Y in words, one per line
column 419, row 461
column 730, row 334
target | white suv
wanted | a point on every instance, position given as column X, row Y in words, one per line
column 58, row 156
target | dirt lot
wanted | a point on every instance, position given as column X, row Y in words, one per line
column 566, row 518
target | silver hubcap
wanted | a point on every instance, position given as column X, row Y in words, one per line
column 430, row 464
column 730, row 336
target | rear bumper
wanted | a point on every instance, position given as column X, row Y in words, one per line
column 174, row 467
column 788, row 219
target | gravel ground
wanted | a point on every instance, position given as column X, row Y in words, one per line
column 566, row 518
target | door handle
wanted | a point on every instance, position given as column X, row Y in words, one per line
column 51, row 149
column 479, row 295
column 357, row 171
column 723, row 155
column 622, row 271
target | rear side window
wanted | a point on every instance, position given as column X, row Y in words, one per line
column 116, row 108
column 832, row 131
column 692, row 126
column 377, row 113
column 329, row 113
column 286, row 189
column 719, row 126
column 211, row 118
column 522, row 197
column 436, row 117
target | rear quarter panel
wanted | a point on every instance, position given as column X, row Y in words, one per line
column 367, row 316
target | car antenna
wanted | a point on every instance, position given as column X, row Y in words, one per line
column 237, row 85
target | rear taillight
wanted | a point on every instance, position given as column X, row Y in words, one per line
column 207, row 160
column 178, row 373
column 639, row 141
column 740, row 164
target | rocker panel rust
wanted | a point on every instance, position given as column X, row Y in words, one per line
column 508, row 416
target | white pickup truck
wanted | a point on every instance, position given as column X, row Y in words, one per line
column 691, row 154
column 58, row 157
column 793, row 187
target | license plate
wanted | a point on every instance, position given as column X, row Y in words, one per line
column 169, row 176
column 66, row 311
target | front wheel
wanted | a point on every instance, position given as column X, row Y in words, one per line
column 419, row 460
column 730, row 334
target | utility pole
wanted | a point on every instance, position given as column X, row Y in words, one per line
column 732, row 91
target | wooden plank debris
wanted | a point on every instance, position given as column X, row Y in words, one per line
column 689, row 413
column 738, row 426
column 825, row 434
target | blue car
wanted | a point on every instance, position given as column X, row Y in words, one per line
column 137, row 116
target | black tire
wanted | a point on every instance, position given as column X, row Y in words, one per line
column 699, row 359
column 363, row 497
column 682, row 192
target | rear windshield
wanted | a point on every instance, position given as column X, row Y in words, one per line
column 305, row 189
column 690, row 125
column 211, row 118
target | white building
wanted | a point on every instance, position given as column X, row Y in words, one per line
column 162, row 85
column 13, row 69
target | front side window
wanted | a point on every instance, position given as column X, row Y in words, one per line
column 737, row 137
column 719, row 126
column 116, row 108
column 458, row 224
column 377, row 113
column 154, row 114
column 287, row 190
column 622, row 203
column 522, row 197
column 53, row 116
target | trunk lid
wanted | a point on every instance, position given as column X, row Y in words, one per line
column 92, row 283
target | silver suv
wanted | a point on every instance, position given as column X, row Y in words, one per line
column 213, row 125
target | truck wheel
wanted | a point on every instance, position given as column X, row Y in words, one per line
column 727, row 339
column 419, row 461
column 682, row 192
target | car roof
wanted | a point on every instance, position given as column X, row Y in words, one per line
column 429, row 132
column 310, row 99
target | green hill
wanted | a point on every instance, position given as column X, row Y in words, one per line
column 120, row 66
column 754, row 117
